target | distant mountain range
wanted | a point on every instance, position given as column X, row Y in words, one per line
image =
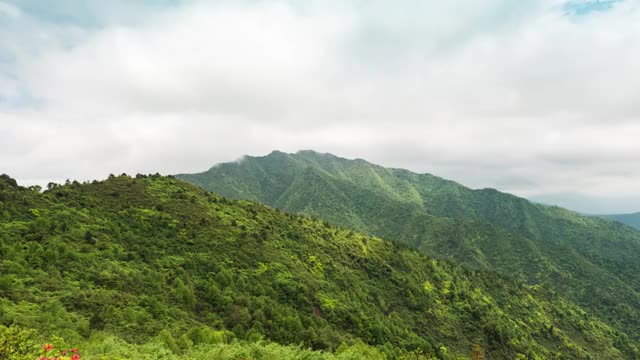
column 629, row 219
column 589, row 260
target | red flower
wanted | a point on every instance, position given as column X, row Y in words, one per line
column 47, row 347
column 75, row 357
column 75, row 351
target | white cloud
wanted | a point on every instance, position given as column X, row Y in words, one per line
column 9, row 10
column 519, row 97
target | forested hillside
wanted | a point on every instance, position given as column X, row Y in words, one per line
column 629, row 219
column 151, row 267
column 588, row 260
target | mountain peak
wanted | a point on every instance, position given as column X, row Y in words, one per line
column 309, row 152
column 480, row 228
column 277, row 153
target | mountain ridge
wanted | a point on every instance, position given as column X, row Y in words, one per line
column 632, row 219
column 589, row 260
column 152, row 256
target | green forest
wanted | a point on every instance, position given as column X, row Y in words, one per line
column 629, row 219
column 150, row 267
column 587, row 260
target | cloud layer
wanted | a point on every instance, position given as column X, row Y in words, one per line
column 526, row 97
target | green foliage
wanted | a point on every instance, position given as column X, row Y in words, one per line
column 628, row 219
column 17, row 344
column 590, row 261
column 153, row 268
column 108, row 347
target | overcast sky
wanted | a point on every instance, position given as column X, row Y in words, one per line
column 538, row 98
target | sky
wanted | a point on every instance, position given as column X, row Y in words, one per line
column 537, row 98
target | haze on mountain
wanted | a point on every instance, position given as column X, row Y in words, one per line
column 535, row 97
column 318, row 256
column 629, row 219
column 588, row 260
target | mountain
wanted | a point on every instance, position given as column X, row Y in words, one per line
column 151, row 267
column 629, row 219
column 588, row 260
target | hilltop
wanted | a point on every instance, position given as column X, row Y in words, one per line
column 588, row 260
column 154, row 260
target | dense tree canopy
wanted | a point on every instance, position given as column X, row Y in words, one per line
column 148, row 265
column 590, row 261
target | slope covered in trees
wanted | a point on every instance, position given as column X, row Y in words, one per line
column 588, row 260
column 155, row 261
column 629, row 219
